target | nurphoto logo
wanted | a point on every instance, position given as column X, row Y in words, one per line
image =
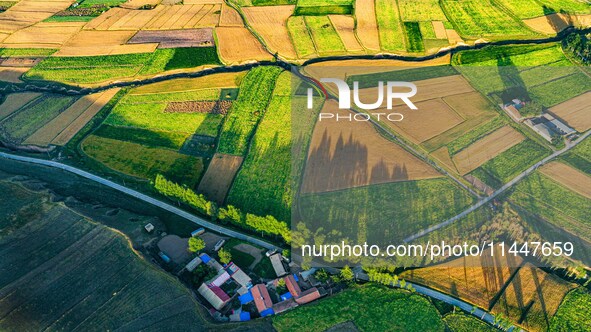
column 344, row 100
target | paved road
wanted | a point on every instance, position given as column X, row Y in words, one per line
column 150, row 200
column 498, row 192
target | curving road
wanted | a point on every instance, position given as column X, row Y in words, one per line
column 499, row 191
column 150, row 200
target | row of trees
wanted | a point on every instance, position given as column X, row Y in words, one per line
column 229, row 214
column 387, row 279
column 579, row 45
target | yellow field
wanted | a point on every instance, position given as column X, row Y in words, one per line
column 229, row 17
column 28, row 12
column 345, row 26
column 432, row 118
column 549, row 24
column 569, row 177
column 575, row 112
column 373, row 158
column 486, row 148
column 94, row 42
column 14, row 101
column 367, row 26
column 238, row 45
column 534, row 292
column 76, row 125
column 137, row 4
column 45, row 33
column 223, row 80
column 439, row 28
column 453, row 37
column 271, row 23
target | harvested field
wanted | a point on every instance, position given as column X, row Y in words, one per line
column 229, row 17
column 222, row 80
column 107, row 19
column 486, row 148
column 175, row 38
column 88, row 42
column 439, row 28
column 14, row 101
column 28, row 12
column 271, row 23
column 218, row 178
column 137, row 19
column 345, row 26
column 46, row 134
column 442, row 155
column 569, row 177
column 532, row 296
column 365, row 157
column 75, row 126
column 575, row 112
column 44, row 33
column 549, row 24
column 214, row 107
column 367, row 26
column 237, row 45
column 432, row 118
column 453, row 37
column 12, row 74
column 474, row 279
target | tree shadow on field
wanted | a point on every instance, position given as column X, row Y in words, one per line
column 514, row 86
column 558, row 21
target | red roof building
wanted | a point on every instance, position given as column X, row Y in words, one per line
column 292, row 286
column 308, row 296
column 262, row 300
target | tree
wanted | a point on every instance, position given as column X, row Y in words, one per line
column 531, row 108
column 225, row 256
column 347, row 274
column 196, row 244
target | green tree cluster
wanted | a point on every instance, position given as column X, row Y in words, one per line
column 230, row 214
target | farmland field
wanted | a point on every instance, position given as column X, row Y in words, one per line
column 555, row 203
column 421, row 203
column 263, row 186
column 302, row 40
column 219, row 176
column 573, row 314
column 575, row 112
column 420, row 10
column 345, row 27
column 569, row 177
column 463, row 322
column 247, row 110
column 271, row 23
column 324, row 7
column 390, row 29
column 481, row 19
column 580, row 157
column 414, row 37
column 67, row 271
column 325, row 37
column 367, row 26
column 144, row 162
column 15, row 101
column 238, row 45
column 33, row 116
column 511, row 162
column 370, row 307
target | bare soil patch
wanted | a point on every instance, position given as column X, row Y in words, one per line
column 214, row 107
column 576, row 112
column 175, row 38
column 218, row 178
column 346, row 154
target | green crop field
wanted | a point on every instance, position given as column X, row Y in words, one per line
column 574, row 312
column 510, row 163
column 524, row 8
column 144, row 161
column 240, row 123
column 465, row 323
column 369, row 307
column 262, row 186
column 421, row 10
column 555, row 203
column 323, row 7
column 569, row 6
column 95, row 69
column 414, row 38
column 154, row 138
column 420, row 204
column 300, row 36
column 470, row 137
column 410, row 74
column 559, row 90
column 580, row 156
column 25, row 52
column 427, row 30
column 325, row 37
column 67, row 272
column 152, row 116
column 477, row 19
column 33, row 116
column 390, row 30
